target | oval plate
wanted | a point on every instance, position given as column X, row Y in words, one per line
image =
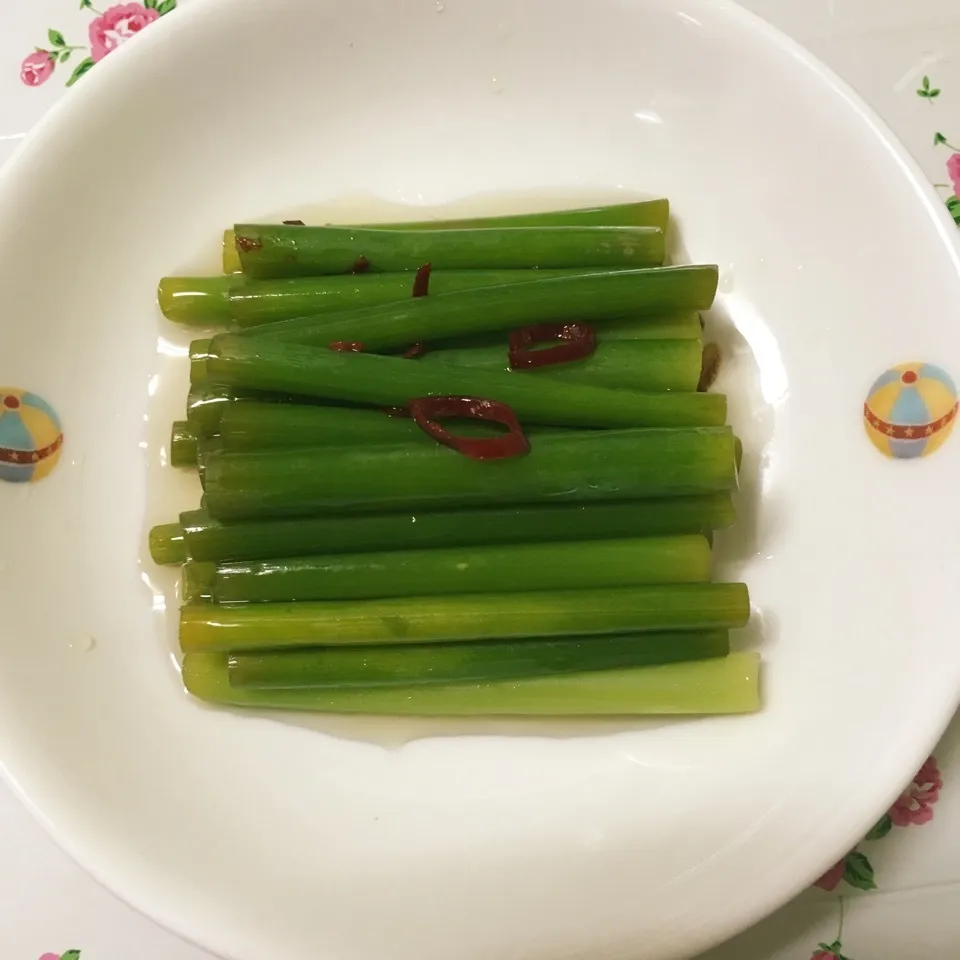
column 336, row 839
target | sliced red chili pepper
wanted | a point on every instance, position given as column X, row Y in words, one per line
column 421, row 282
column 577, row 340
column 294, row 223
column 347, row 346
column 360, row 265
column 427, row 411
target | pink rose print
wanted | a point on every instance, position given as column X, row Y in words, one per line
column 37, row 68
column 117, row 25
column 831, row 879
column 953, row 171
column 855, row 868
column 69, row 955
column 915, row 804
column 824, row 955
column 108, row 30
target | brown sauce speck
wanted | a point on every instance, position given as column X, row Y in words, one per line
column 248, row 244
column 709, row 367
column 421, row 282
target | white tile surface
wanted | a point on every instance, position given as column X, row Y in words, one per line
column 884, row 48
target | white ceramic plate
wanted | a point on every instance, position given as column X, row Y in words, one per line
column 358, row 840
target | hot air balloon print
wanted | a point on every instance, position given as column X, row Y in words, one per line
column 30, row 436
column 910, row 410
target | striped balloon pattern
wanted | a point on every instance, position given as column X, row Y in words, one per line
column 30, row 436
column 910, row 410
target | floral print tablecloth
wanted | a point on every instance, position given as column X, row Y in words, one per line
column 106, row 31
column 895, row 895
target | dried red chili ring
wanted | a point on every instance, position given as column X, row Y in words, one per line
column 427, row 411
column 347, row 346
column 577, row 340
column 421, row 282
column 360, row 265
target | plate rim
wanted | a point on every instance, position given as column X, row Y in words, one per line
column 847, row 825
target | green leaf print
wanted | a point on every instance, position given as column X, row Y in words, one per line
column 81, row 68
column 953, row 205
column 925, row 90
column 56, row 38
column 858, row 871
column 880, row 829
